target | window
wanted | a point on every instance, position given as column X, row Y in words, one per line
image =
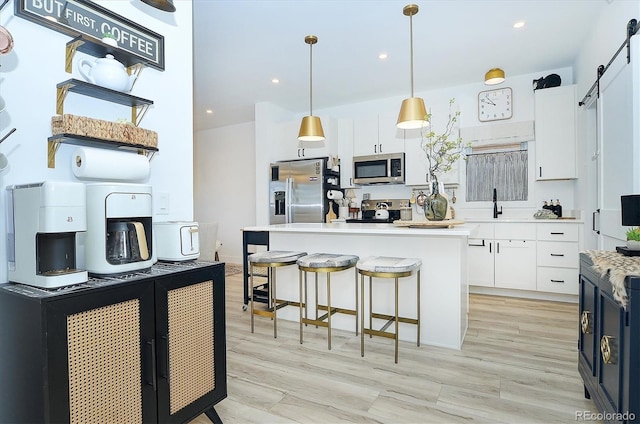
column 506, row 171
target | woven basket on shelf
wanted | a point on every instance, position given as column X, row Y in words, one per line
column 105, row 130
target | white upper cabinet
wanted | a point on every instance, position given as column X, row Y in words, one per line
column 289, row 147
column 345, row 152
column 374, row 135
column 555, row 129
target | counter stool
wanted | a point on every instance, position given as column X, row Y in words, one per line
column 327, row 263
column 387, row 267
column 271, row 260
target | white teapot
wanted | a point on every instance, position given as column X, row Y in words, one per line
column 107, row 72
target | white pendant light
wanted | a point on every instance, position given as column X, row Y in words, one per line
column 413, row 113
column 494, row 76
column 311, row 127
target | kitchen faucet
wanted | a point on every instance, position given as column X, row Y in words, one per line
column 495, row 204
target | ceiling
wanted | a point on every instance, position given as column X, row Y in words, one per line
column 240, row 46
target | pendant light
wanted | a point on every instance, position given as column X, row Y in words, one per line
column 166, row 5
column 413, row 113
column 311, row 127
column 494, row 76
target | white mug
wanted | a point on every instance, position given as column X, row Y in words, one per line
column 3, row 105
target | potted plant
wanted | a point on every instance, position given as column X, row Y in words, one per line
column 442, row 151
column 109, row 39
column 633, row 238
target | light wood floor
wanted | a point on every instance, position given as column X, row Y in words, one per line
column 518, row 364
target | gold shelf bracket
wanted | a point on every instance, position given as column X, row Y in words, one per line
column 52, row 149
column 137, row 113
column 135, row 70
column 148, row 153
column 70, row 53
column 61, row 94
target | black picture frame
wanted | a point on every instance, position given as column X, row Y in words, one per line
column 84, row 17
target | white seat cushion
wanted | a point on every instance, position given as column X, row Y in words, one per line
column 388, row 264
column 327, row 260
column 272, row 256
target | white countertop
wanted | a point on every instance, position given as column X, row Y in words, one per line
column 523, row 220
column 358, row 228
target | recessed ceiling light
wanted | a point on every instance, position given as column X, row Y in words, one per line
column 209, row 111
column 383, row 56
column 275, row 80
column 519, row 24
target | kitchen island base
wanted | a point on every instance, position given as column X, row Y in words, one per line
column 444, row 297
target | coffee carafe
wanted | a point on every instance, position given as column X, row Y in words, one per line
column 126, row 242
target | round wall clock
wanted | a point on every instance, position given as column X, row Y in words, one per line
column 495, row 104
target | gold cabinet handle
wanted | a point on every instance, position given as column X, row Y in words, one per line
column 585, row 322
column 607, row 348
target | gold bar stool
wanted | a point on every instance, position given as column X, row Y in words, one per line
column 271, row 260
column 326, row 263
column 387, row 267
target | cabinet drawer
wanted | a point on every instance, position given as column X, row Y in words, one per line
column 515, row 231
column 557, row 232
column 557, row 280
column 560, row 254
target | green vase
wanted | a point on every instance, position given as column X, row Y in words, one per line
column 437, row 203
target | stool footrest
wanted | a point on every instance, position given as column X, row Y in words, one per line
column 317, row 322
column 337, row 310
column 379, row 333
column 392, row 318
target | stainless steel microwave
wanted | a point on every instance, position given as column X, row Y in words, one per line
column 379, row 169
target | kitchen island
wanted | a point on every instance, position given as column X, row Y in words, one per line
column 444, row 296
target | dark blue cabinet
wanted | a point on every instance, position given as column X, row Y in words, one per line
column 609, row 345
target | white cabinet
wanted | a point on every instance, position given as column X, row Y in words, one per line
column 556, row 133
column 374, row 135
column 480, row 258
column 289, row 147
column 534, row 256
column 345, row 152
column 515, row 264
column 558, row 257
column 515, row 255
column 503, row 255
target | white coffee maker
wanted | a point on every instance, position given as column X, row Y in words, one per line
column 44, row 220
column 119, row 228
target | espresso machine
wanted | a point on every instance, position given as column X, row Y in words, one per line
column 44, row 222
column 119, row 228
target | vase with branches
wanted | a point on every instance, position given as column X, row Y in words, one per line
column 442, row 151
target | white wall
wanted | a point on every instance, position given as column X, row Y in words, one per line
column 28, row 86
column 224, row 187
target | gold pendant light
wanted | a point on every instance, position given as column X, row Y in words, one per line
column 494, row 76
column 311, row 127
column 413, row 113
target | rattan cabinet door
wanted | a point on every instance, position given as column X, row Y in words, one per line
column 191, row 343
column 102, row 356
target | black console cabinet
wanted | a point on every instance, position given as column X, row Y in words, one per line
column 148, row 348
column 609, row 345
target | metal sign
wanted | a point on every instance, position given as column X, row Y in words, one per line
column 83, row 17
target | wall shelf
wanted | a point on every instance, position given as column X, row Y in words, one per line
column 138, row 105
column 78, row 140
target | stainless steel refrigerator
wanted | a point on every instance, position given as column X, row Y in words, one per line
column 298, row 190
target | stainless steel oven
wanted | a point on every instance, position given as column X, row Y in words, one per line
column 379, row 169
